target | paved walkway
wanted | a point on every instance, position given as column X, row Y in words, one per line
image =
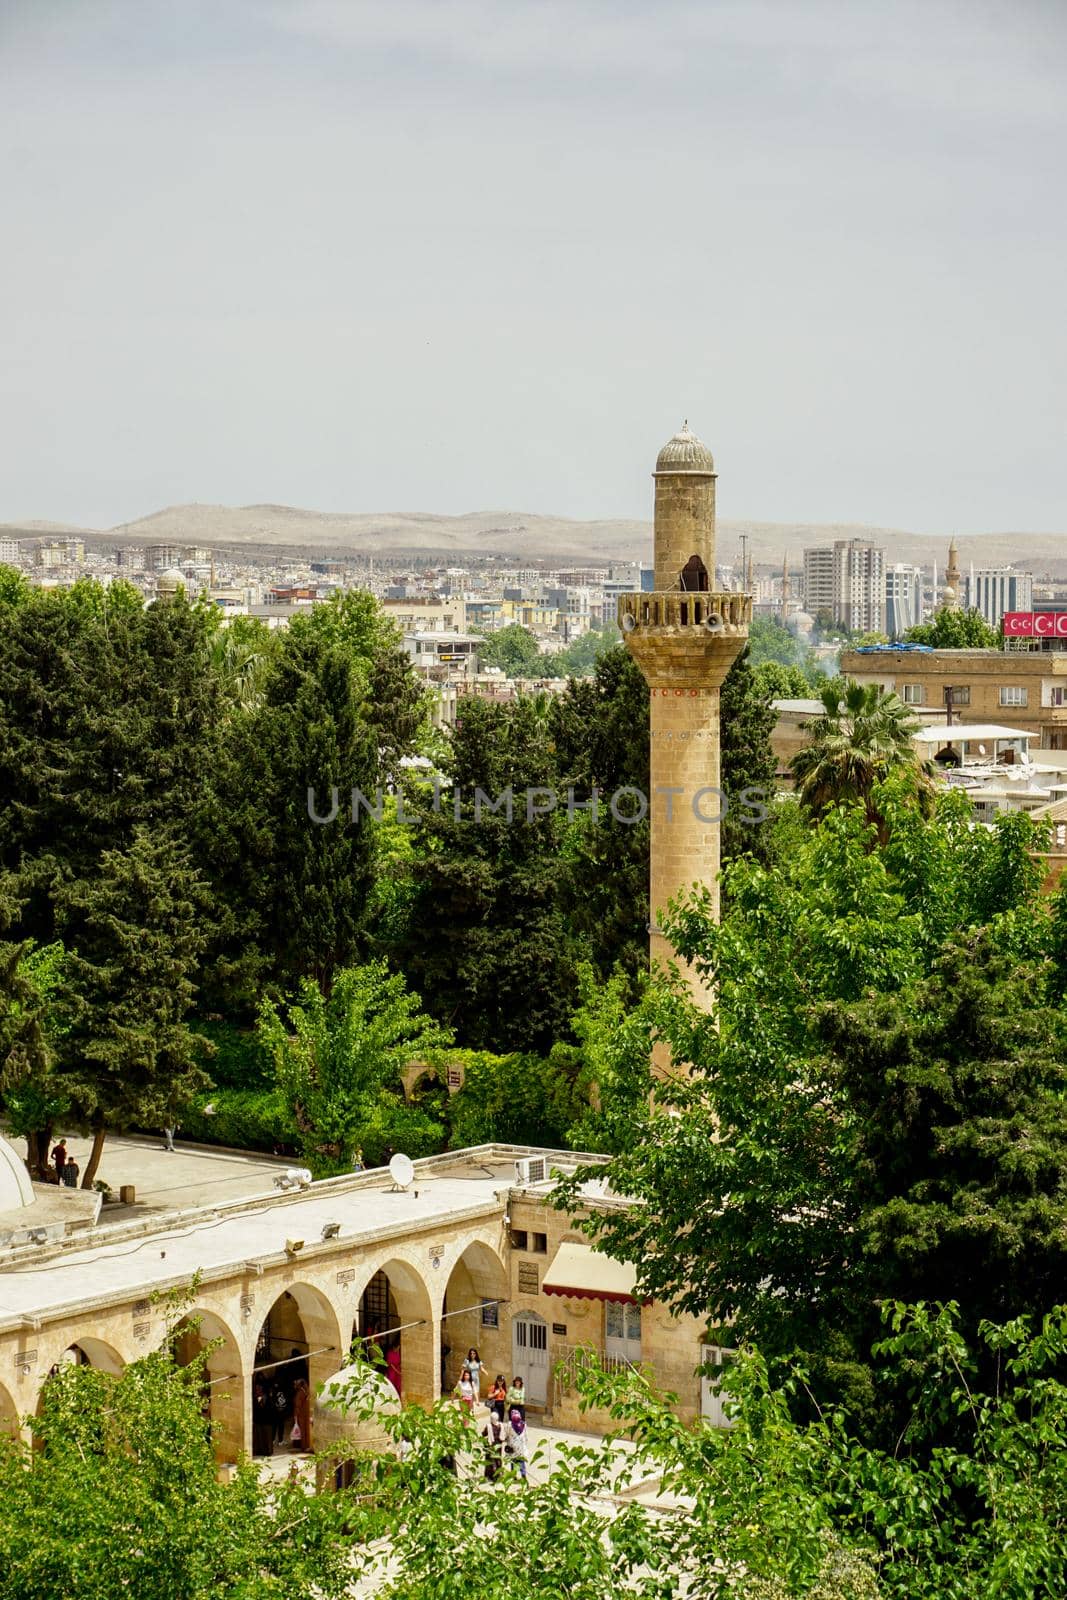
column 545, row 1442
column 190, row 1175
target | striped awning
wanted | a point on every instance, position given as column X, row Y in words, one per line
column 579, row 1273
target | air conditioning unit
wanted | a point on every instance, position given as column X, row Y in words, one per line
column 532, row 1169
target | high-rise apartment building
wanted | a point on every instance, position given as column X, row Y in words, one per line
column 60, row 553
column 819, row 579
column 995, row 590
column 903, row 598
column 162, row 556
column 9, row 551
column 847, row 579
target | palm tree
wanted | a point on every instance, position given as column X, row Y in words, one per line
column 240, row 655
column 864, row 733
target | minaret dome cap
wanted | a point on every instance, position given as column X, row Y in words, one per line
column 685, row 453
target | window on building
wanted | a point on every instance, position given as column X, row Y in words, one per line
column 519, row 1239
column 539, row 1244
column 1012, row 694
column 958, row 694
column 622, row 1330
column 913, row 694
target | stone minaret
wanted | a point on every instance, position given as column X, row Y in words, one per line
column 684, row 637
column 950, row 594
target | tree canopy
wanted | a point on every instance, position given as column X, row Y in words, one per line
column 863, row 734
column 878, row 1101
column 956, row 630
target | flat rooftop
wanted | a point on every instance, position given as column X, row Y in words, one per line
column 160, row 1251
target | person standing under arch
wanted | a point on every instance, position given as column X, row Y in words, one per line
column 300, row 1436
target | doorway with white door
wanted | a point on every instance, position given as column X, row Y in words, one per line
column 713, row 1358
column 529, row 1355
column 622, row 1333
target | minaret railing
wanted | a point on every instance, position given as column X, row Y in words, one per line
column 697, row 609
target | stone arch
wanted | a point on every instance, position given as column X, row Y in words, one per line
column 475, row 1313
column 396, row 1316
column 9, row 1415
column 449, row 1074
column 86, row 1351
column 225, row 1387
column 300, row 1318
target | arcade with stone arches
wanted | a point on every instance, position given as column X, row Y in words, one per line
column 429, row 1303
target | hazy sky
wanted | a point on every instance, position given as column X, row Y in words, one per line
column 451, row 255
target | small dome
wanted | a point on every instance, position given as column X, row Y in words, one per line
column 685, row 453
column 16, row 1190
column 170, row 582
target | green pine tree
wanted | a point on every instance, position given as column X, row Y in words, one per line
column 135, row 934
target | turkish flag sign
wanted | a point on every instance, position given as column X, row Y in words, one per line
column 1061, row 624
column 1018, row 624
column 1044, row 624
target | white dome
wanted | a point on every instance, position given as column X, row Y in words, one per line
column 16, row 1190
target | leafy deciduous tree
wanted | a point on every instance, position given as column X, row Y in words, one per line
column 338, row 1057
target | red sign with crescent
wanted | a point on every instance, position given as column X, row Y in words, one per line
column 1035, row 624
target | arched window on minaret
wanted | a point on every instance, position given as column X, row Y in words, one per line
column 694, row 575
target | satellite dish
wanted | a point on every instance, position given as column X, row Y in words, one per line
column 401, row 1170
column 981, row 749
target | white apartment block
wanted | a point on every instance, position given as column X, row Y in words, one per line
column 903, row 598
column 819, row 579
column 847, row 579
column 412, row 615
column 60, row 553
column 995, row 590
column 9, row 551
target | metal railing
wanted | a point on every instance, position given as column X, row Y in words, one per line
column 566, row 1370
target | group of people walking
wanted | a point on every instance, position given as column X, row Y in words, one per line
column 281, row 1408
column 505, row 1434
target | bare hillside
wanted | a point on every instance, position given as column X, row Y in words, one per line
column 528, row 535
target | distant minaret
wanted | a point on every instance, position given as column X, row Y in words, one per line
column 950, row 594
column 684, row 637
column 786, row 591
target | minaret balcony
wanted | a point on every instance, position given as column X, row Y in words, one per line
column 685, row 611
column 684, row 640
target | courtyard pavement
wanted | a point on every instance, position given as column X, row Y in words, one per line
column 190, row 1175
